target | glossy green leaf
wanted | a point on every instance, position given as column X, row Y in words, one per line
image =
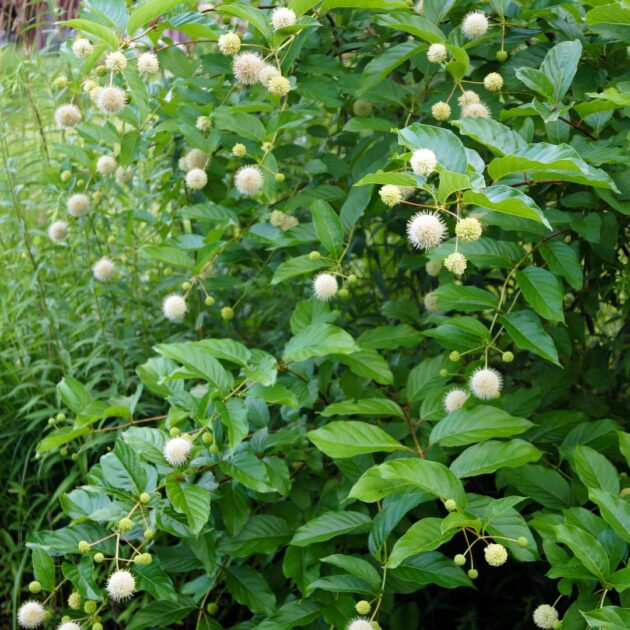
column 486, row 457
column 543, row 292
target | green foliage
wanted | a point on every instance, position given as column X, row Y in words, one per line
column 311, row 421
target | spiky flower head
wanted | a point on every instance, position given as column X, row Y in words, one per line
column 486, row 383
column 361, row 623
column 282, row 17
column 74, row 601
column 431, row 302
column 60, row 82
column 176, row 451
column 249, row 180
column 441, row 111
column 239, row 150
column 468, row 229
column 229, row 43
column 390, row 195
column 437, row 53
column 106, row 165
column 456, row 263
column 475, row 25
column 493, row 82
column 58, row 231
column 478, row 110
column 78, row 205
column 148, row 63
column 116, row 61
column 279, row 86
column 283, row 220
column 196, row 179
column 423, row 162
column 363, row 607
column 467, row 97
column 203, row 123
column 67, row 116
column 495, row 554
column 82, row 48
column 195, row 158
column 104, row 269
column 426, row 230
column 89, row 85
column 124, row 175
column 69, row 625
column 174, row 307
column 433, row 267
column 111, row 100
column 247, row 67
column 455, row 400
column 362, row 108
column 31, row 614
column 545, row 616
column 325, row 286
column 121, row 585
column 267, row 73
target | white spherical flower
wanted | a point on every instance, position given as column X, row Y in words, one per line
column 82, row 48
column 239, row 150
column 475, row 25
column 267, row 73
column 325, row 286
column 89, row 85
column 195, row 158
column 176, row 451
column 247, row 67
column 282, row 17
column 124, row 175
column 111, row 100
column 390, row 195
column 545, row 616
column 116, row 61
column 78, row 205
column 360, row 624
column 58, row 231
column 203, row 123
column 148, row 63
column 486, row 383
column 229, row 43
column 493, row 82
column 69, row 625
column 94, row 94
column 467, row 97
column 419, row 7
column 31, row 614
column 249, row 180
column 106, row 165
column 433, row 267
column 437, row 53
column 495, row 554
column 121, row 585
column 455, row 400
column 423, row 162
column 103, row 269
column 67, row 116
column 456, row 263
column 468, row 230
column 431, row 302
column 441, row 111
column 426, row 230
column 174, row 307
column 279, row 86
column 479, row 110
column 196, row 179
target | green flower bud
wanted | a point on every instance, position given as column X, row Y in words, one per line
column 207, row 437
column 101, row 71
column 74, row 457
column 63, row 452
column 522, row 541
column 280, row 178
column 363, row 607
column 186, row 286
column 89, row 607
column 35, row 587
column 507, row 357
column 473, row 574
column 99, row 557
column 557, row 624
column 125, row 525
column 97, row 626
column 227, row 313
column 443, row 372
column 314, row 256
column 149, row 534
column 460, row 560
column 61, row 417
column 450, row 505
column 455, row 356
column 174, row 432
column 84, row 546
column 212, row 608
column 343, row 293
column 145, row 497
column 352, row 279
column 214, row 449
column 501, row 55
column 74, row 601
column 209, row 300
column 65, row 176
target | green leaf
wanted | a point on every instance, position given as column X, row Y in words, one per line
column 44, row 569
column 263, row 533
column 608, row 617
column 327, row 227
column 166, row 254
column 586, row 548
column 94, row 28
column 329, row 525
column 296, row 613
column 389, row 337
column 507, row 200
column 545, row 485
column 234, row 417
column 379, row 67
column 458, row 66
column 255, row 17
column 563, row 261
column 463, row 298
column 148, row 11
column 382, row 179
column 74, row 395
column 348, row 438
column 594, row 470
column 527, row 332
column 241, row 123
column 415, row 25
column 249, row 470
column 123, row 470
column 560, row 66
column 537, row 81
column 430, row 567
column 485, row 458
column 371, row 486
column 190, row 500
column 460, row 333
column 614, row 510
column 451, row 182
column 357, row 567
column 365, row 407
column 155, row 581
column 425, row 535
column 319, row 340
column 297, row 267
column 447, row 147
column 369, row 364
column 429, row 476
column 466, row 426
column 166, row 614
column 249, row 588
column 81, row 575
column 501, row 140
column 543, row 292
